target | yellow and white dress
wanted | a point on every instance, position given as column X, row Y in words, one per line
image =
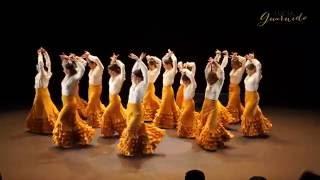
column 81, row 104
column 210, row 132
column 224, row 116
column 179, row 95
column 253, row 122
column 95, row 108
column 69, row 129
column 168, row 113
column 44, row 113
column 180, row 92
column 138, row 137
column 235, row 106
column 188, row 118
column 114, row 116
column 151, row 103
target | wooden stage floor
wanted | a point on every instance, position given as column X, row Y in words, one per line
column 293, row 146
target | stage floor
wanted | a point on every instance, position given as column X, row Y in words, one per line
column 293, row 146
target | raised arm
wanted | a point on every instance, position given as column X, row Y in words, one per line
column 224, row 62
column 220, row 71
column 208, row 67
column 193, row 67
column 217, row 56
column 82, row 61
column 122, row 69
column 257, row 64
column 180, row 66
column 174, row 62
column 48, row 61
column 40, row 62
column 243, row 61
column 144, row 70
column 80, row 68
column 96, row 60
column 64, row 60
column 190, row 75
column 136, row 65
column 140, row 65
column 166, row 56
column 159, row 64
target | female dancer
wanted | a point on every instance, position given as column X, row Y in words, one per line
column 192, row 67
column 138, row 137
column 188, row 118
column 234, row 103
column 43, row 113
column 151, row 103
column 210, row 132
column 114, row 117
column 168, row 113
column 70, row 129
column 253, row 122
column 81, row 104
column 223, row 114
column 95, row 108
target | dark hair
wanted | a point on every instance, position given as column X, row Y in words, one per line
column 189, row 68
column 168, row 61
column 251, row 51
column 251, row 67
column 257, row 178
column 236, row 63
column 152, row 62
column 138, row 73
column 195, row 175
column 309, row 175
column 185, row 78
column 115, row 68
column 71, row 67
column 91, row 62
column 212, row 77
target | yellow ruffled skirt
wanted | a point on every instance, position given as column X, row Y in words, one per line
column 138, row 137
column 188, row 120
column 210, row 132
column 114, row 117
column 151, row 103
column 179, row 96
column 95, row 108
column 43, row 113
column 70, row 129
column 223, row 115
column 169, row 112
column 81, row 107
column 234, row 103
column 253, row 122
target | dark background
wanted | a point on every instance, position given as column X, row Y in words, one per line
column 288, row 52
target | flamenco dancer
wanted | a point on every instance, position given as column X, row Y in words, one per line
column 211, row 134
column 253, row 122
column 43, row 113
column 168, row 113
column 81, row 103
column 188, row 118
column 114, row 116
column 151, row 103
column 70, row 130
column 192, row 67
column 138, row 138
column 235, row 107
column 95, row 108
column 223, row 114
